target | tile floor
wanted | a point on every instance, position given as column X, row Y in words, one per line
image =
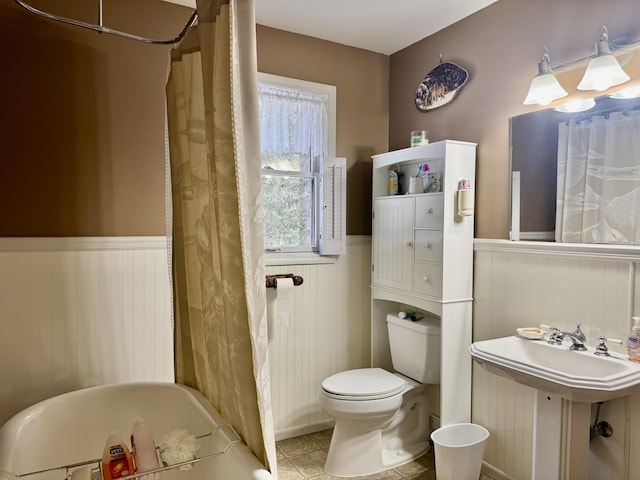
column 303, row 457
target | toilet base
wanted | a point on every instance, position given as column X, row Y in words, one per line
column 363, row 453
column 356, row 449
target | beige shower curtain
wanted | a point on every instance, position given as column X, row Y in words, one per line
column 218, row 264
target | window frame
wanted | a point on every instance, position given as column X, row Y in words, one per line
column 302, row 254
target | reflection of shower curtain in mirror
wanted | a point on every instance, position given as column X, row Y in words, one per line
column 598, row 199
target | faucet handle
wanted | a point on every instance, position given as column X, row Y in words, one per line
column 556, row 336
column 602, row 349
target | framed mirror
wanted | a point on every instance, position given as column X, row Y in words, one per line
column 590, row 139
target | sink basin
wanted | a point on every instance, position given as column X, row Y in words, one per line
column 576, row 376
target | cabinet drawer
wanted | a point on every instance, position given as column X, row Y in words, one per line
column 427, row 279
column 428, row 245
column 429, row 211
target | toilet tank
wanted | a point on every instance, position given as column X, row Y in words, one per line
column 415, row 347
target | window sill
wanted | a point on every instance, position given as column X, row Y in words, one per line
column 304, row 258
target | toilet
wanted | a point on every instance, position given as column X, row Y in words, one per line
column 381, row 417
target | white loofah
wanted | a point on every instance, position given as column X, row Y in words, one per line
column 179, row 446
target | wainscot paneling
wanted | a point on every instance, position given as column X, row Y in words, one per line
column 77, row 312
column 520, row 284
column 330, row 332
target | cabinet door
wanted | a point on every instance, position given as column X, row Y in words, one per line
column 393, row 242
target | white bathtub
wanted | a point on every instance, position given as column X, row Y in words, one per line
column 47, row 441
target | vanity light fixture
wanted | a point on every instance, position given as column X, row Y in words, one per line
column 603, row 71
column 545, row 87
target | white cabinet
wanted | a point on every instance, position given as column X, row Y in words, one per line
column 407, row 231
column 422, row 258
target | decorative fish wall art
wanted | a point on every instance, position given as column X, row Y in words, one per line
column 440, row 86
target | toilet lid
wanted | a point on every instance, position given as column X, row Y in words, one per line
column 363, row 384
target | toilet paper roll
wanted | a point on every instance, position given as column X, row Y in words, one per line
column 465, row 202
column 284, row 301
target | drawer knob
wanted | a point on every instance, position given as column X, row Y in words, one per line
column 425, row 279
column 429, row 211
column 427, row 245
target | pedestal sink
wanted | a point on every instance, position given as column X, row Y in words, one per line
column 576, row 376
column 566, row 384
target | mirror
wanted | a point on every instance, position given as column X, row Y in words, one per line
column 534, row 158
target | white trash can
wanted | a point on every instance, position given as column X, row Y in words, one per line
column 459, row 449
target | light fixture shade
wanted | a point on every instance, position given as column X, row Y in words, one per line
column 544, row 89
column 603, row 72
column 627, row 93
column 576, row 106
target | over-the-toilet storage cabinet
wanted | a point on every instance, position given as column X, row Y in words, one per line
column 422, row 258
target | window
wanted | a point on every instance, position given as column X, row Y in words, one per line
column 297, row 140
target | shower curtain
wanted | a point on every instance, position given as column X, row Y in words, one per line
column 598, row 196
column 217, row 233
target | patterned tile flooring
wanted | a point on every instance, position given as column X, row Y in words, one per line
column 303, row 457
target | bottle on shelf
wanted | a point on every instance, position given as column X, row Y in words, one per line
column 393, row 180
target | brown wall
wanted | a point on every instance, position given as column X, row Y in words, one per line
column 500, row 46
column 83, row 116
column 83, row 120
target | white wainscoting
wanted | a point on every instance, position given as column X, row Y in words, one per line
column 330, row 332
column 77, row 312
column 519, row 284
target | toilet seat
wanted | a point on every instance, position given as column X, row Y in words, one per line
column 363, row 384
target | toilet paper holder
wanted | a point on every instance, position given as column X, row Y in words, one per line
column 272, row 283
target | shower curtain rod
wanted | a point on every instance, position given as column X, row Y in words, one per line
column 100, row 28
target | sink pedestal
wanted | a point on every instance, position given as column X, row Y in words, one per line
column 560, row 438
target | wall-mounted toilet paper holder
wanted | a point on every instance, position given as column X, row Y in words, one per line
column 272, row 283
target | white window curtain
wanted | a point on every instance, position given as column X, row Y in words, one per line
column 293, row 123
column 598, row 196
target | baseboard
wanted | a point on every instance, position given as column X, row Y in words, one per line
column 494, row 473
column 303, row 430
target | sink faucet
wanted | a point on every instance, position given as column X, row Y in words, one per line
column 577, row 340
column 579, row 333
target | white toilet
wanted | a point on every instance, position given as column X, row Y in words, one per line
column 381, row 418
